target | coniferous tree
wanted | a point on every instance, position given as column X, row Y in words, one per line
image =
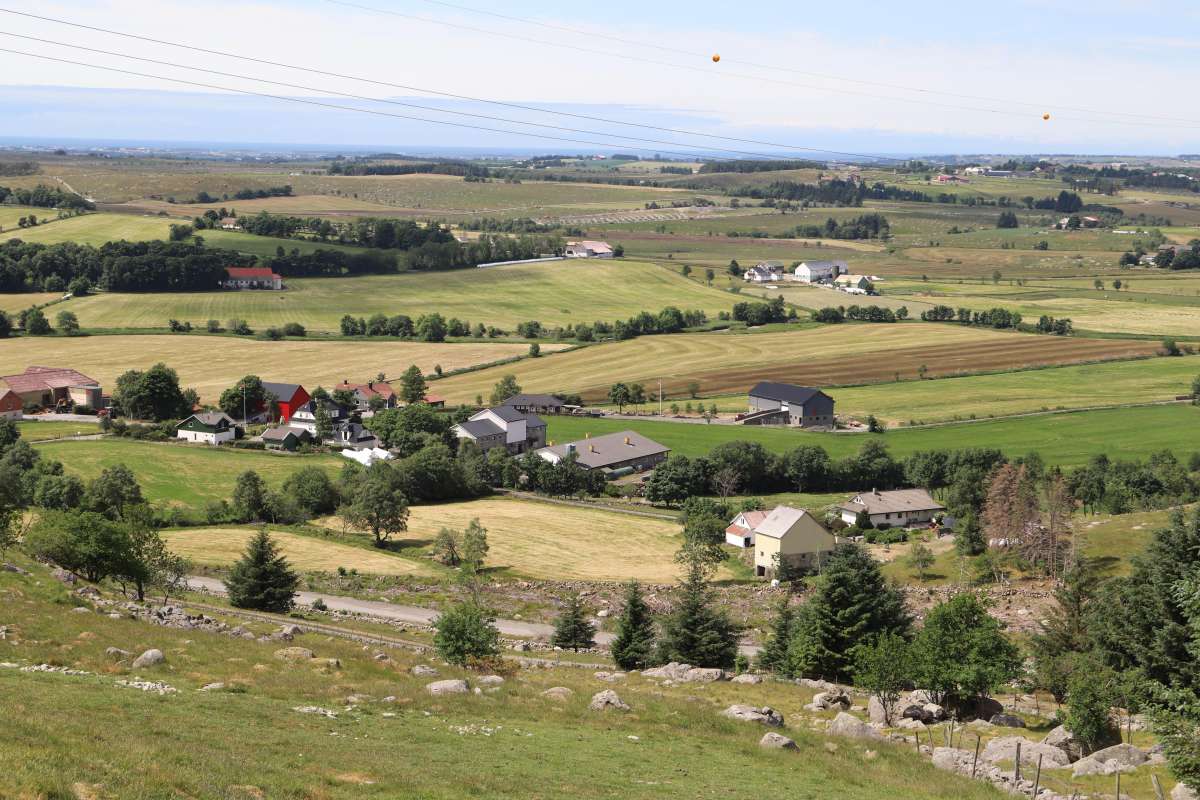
column 262, row 578
column 634, row 645
column 696, row 632
column 773, row 656
column 572, row 630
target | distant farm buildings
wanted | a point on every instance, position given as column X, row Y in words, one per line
column 616, row 454
column 505, row 427
column 252, row 278
column 820, row 271
column 765, row 272
column 588, row 249
column 785, row 404
column 53, row 387
column 230, row 224
column 784, row 537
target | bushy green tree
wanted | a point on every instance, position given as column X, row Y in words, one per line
column 250, row 493
column 474, row 546
column 703, row 540
column 377, row 503
column 151, row 395
column 505, row 388
column 248, row 393
column 112, row 491
column 884, row 668
column 572, row 629
column 634, row 645
column 83, row 542
column 961, row 653
column 773, row 656
column 1091, row 696
column 696, row 631
column 413, row 385
column 466, row 632
column 262, row 579
column 312, row 490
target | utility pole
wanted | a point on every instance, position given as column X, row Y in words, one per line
column 243, row 402
column 660, row 397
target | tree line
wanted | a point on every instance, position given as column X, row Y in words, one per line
column 866, row 226
column 43, row 196
column 242, row 194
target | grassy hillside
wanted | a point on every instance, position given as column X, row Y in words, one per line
column 95, row 229
column 213, row 364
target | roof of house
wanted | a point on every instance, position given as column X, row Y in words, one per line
column 282, row 432
column 282, row 391
column 544, row 400
column 771, row 264
column 510, row 414
column 334, row 409
column 229, row 221
column 381, row 388
column 784, row 392
column 779, row 521
column 211, row 418
column 595, row 247
column 819, row 264
column 753, row 519
column 41, row 378
column 250, row 272
column 899, row 500
column 850, row 278
column 480, row 428
column 614, row 448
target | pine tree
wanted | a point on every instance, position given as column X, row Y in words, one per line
column 572, row 630
column 634, row 644
column 695, row 632
column 262, row 579
column 773, row 656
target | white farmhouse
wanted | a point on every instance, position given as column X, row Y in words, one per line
column 820, row 271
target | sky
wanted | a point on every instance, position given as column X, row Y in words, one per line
column 879, row 77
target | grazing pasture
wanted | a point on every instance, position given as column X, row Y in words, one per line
column 212, row 364
column 726, row 362
column 10, row 216
column 50, row 428
column 94, row 229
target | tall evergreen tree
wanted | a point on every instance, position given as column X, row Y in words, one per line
column 852, row 605
column 572, row 630
column 634, row 645
column 262, row 578
column 696, row 632
column 773, row 656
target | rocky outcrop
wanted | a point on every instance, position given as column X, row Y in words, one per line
column 294, row 654
column 851, row 727
column 764, row 716
column 453, row 686
column 776, row 741
column 607, row 700
column 746, row 677
column 685, row 673
column 423, row 671
column 1182, row 792
column 490, row 680
column 150, row 658
column 559, row 693
column 1064, row 740
column 830, row 700
column 1007, row 721
column 1004, row 748
column 1118, row 758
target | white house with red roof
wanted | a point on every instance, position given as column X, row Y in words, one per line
column 252, row 278
column 364, row 393
column 740, row 532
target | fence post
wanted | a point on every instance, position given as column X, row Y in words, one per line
column 975, row 761
column 1037, row 781
column 1017, row 767
column 1158, row 790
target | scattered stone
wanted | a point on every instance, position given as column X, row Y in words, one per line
column 851, row 727
column 610, row 677
column 1118, row 758
column 1005, row 749
column 746, row 677
column 777, row 741
column 382, row 657
column 820, row 686
column 423, row 670
column 878, row 714
column 603, row 701
column 765, row 715
column 453, row 686
column 149, row 658
column 950, row 758
column 117, row 653
column 560, row 693
column 81, row 610
column 291, row 630
column 7, row 567
column 909, row 724
column 156, row 687
column 64, row 576
column 213, row 687
column 490, row 680
column 602, row 613
column 1007, row 721
column 294, row 654
column 685, row 673
column 324, row 712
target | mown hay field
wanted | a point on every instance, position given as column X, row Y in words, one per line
column 180, row 474
column 726, row 363
column 49, row 428
column 16, row 303
column 212, row 364
column 553, row 293
column 94, row 229
column 221, row 547
column 10, row 216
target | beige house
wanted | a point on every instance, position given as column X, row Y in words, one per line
column 902, row 508
column 792, row 536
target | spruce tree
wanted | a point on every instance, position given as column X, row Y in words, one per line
column 262, row 579
column 695, row 632
column 572, row 630
column 634, row 645
column 773, row 656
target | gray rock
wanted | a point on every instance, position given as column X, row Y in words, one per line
column 765, row 715
column 7, row 567
column 1064, row 740
column 820, row 686
column 1007, row 721
column 454, row 686
column 212, row 687
column 746, row 677
column 423, row 671
column 851, row 727
column 81, row 610
column 1004, row 748
column 117, row 653
column 878, row 715
column 909, row 724
column 149, row 658
column 673, row 671
column 605, row 700
column 291, row 630
column 65, row 576
column 1182, row 792
column 776, row 741
column 609, row 677
column 1110, row 760
column 834, row 699
column 294, row 654
column 560, row 693
column 490, row 680
column 703, row 675
column 951, row 759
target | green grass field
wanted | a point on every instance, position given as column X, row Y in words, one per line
column 10, row 216
column 308, row 362
column 1067, row 439
column 554, row 293
column 95, row 229
column 179, row 474
column 37, row 431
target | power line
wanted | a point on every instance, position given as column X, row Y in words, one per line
column 439, row 93
column 722, row 72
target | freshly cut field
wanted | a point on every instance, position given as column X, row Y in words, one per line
column 180, row 474
column 1067, row 439
column 727, row 363
column 553, row 293
column 305, row 205
column 558, row 542
column 37, row 430
column 212, row 364
column 221, row 547
column 10, row 216
column 16, row 303
column 95, row 229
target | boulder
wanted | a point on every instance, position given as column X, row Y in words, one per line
column 454, row 686
column 609, row 677
column 559, row 693
column 212, row 687
column 81, row 610
column 951, row 758
column 934, row 711
column 1182, row 792
column 1004, row 748
column 851, row 727
column 1118, row 758
column 704, row 675
column 877, row 714
column 776, row 741
column 685, row 673
column 918, row 697
column 423, row 671
column 746, row 677
column 838, row 699
column 1007, row 721
column 765, row 715
column 149, row 658
column 291, row 630
column 117, row 653
column 819, row 685
column 65, row 576
column 1064, row 740
column 909, row 724
column 294, row 654
column 608, row 699
column 490, row 680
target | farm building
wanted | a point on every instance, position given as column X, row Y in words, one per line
column 289, row 397
column 785, row 404
column 852, row 282
column 503, row 426
column 209, row 428
column 10, row 405
column 625, row 451
column 50, row 387
column 789, row 536
column 535, row 403
column 230, row 224
column 365, row 393
column 588, row 250
column 902, row 508
column 305, row 416
column 820, row 271
column 252, row 278
column 765, row 272
column 740, row 532
column 286, row 437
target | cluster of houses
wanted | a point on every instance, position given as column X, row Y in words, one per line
column 787, row 537
column 56, row 388
column 829, row 273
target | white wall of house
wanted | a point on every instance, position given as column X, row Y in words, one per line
column 206, row 438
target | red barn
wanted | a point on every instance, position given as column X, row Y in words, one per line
column 10, row 404
column 290, row 397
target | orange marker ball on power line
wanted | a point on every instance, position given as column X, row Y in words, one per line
column 716, row 57
column 1045, row 116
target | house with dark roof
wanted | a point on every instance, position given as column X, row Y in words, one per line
column 289, row 397
column 306, row 415
column 503, row 426
column 786, row 404
column 54, row 386
column 627, row 451
column 535, row 403
column 286, row 437
column 252, row 278
column 212, row 427
column 353, row 436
